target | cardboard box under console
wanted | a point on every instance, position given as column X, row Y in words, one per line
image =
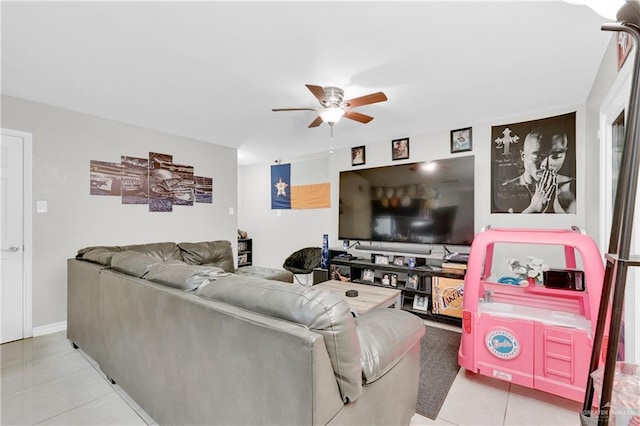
column 447, row 296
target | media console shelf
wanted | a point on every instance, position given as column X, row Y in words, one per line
column 427, row 290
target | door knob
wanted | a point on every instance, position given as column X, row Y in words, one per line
column 12, row 249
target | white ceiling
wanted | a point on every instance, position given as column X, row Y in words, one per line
column 213, row 70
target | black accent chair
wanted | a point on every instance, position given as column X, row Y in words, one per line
column 303, row 261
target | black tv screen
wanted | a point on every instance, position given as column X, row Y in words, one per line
column 427, row 202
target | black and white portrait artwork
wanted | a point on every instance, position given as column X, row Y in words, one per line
column 533, row 166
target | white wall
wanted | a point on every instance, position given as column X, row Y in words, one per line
column 64, row 142
column 602, row 85
column 275, row 237
column 276, row 233
column 609, row 95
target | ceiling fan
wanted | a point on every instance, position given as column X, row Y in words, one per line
column 332, row 106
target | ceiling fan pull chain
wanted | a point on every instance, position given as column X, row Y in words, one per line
column 331, row 146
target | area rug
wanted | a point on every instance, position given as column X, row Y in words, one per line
column 438, row 369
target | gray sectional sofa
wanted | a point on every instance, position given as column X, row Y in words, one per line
column 193, row 343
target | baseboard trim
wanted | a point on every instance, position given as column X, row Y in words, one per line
column 49, row 328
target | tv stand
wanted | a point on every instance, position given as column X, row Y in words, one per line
column 426, row 290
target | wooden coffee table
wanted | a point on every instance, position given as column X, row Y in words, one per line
column 369, row 297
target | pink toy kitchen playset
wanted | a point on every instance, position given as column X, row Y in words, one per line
column 530, row 332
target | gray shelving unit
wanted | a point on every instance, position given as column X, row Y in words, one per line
column 245, row 252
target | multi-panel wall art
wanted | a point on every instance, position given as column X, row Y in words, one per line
column 156, row 181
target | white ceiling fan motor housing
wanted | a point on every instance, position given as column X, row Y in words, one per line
column 335, row 95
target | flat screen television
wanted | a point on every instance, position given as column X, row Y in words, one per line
column 427, row 202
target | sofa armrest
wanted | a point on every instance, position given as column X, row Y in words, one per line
column 386, row 335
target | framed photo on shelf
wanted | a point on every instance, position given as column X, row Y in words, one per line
column 393, row 280
column 400, row 149
column 380, row 259
column 420, row 303
column 461, row 140
column 368, row 275
column 386, row 280
column 358, row 155
column 340, row 273
column 398, row 260
column 412, row 282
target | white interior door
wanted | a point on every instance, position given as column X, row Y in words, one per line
column 12, row 302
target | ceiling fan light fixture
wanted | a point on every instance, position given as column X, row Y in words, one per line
column 331, row 115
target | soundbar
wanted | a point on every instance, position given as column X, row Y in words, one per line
column 392, row 249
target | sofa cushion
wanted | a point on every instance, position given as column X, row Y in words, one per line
column 160, row 251
column 386, row 335
column 175, row 273
column 214, row 253
column 323, row 312
column 266, row 273
column 101, row 255
column 132, row 263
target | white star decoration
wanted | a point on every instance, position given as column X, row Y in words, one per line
column 281, row 186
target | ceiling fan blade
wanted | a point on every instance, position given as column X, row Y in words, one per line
column 316, row 122
column 293, row 109
column 371, row 98
column 362, row 118
column 318, row 92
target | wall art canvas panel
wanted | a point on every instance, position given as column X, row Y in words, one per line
column 135, row 180
column 161, row 182
column 204, row 189
column 156, row 181
column 533, row 166
column 184, row 189
column 104, row 178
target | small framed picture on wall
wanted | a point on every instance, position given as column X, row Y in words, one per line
column 358, row 155
column 400, row 149
column 624, row 45
column 461, row 140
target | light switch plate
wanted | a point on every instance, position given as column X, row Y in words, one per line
column 41, row 207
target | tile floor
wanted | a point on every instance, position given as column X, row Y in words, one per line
column 45, row 381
